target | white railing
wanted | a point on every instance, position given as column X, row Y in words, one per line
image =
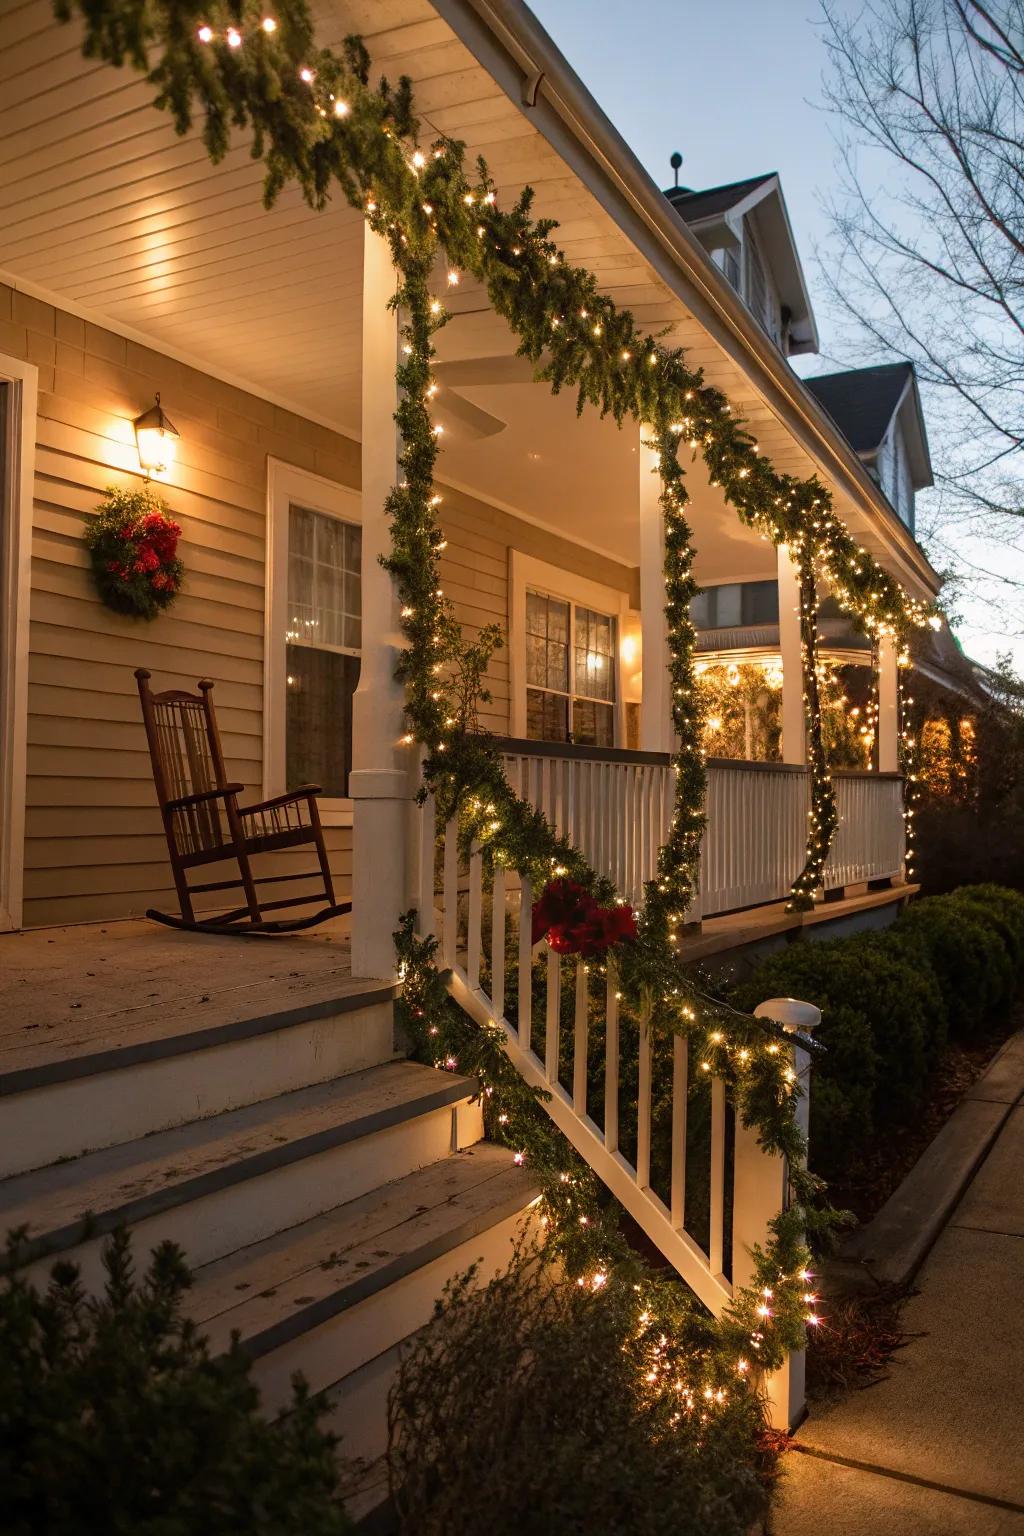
column 614, row 806
column 756, row 834
column 870, row 840
column 627, row 1115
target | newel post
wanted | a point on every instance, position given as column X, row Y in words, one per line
column 380, row 783
column 761, row 1191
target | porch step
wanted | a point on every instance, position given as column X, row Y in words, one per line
column 150, row 1068
column 220, row 1184
column 337, row 1296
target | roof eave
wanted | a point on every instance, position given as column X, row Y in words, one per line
column 524, row 61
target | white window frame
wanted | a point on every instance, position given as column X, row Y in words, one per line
column 526, row 573
column 15, row 587
column 287, row 484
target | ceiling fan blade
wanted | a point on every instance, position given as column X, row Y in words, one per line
column 468, row 419
column 486, row 370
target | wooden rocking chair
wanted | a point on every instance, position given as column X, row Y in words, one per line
column 204, row 823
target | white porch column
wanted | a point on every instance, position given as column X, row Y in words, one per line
column 656, row 733
column 379, row 783
column 888, row 707
column 794, row 727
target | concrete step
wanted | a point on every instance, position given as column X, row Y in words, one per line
column 151, row 1068
column 220, row 1184
column 337, row 1296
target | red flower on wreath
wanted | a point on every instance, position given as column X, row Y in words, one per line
column 575, row 924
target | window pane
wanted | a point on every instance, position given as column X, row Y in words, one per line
column 593, row 724
column 547, row 632
column 547, row 716
column 761, row 602
column 595, row 660
column 728, row 606
column 318, row 725
column 324, row 579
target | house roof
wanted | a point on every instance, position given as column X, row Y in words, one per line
column 716, row 217
column 863, row 401
column 702, row 205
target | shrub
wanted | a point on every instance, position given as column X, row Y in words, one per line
column 962, row 945
column 526, row 1408
column 115, row 1418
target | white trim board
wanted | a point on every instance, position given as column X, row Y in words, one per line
column 527, row 571
column 16, row 498
column 287, row 483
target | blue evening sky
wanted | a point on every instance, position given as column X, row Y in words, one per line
column 733, row 85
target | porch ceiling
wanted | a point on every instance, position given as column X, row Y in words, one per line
column 104, row 208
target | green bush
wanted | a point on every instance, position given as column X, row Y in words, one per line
column 530, row 1406
column 114, row 1418
column 888, row 1000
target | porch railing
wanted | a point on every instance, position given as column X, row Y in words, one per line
column 870, row 840
column 653, row 1127
column 616, row 807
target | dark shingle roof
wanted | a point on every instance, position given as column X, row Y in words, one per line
column 704, row 205
column 861, row 401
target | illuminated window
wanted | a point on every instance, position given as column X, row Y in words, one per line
column 570, row 672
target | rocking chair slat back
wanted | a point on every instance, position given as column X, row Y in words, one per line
column 185, row 749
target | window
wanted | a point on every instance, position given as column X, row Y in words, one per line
column 570, row 672
column 322, row 648
column 314, row 635
column 735, row 604
column 731, row 267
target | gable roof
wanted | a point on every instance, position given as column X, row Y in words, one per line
column 703, row 205
column 863, row 401
column 717, row 217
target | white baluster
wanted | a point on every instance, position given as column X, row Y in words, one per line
column 553, row 1018
column 680, row 1073
column 525, row 962
column 579, row 1044
column 643, row 1123
column 474, row 933
column 450, row 919
column 611, row 1064
column 498, row 940
column 717, row 1233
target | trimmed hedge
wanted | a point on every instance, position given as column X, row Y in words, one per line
column 889, row 1000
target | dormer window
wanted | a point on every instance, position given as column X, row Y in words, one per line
column 731, row 267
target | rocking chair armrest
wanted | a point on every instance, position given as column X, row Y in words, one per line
column 304, row 792
column 223, row 791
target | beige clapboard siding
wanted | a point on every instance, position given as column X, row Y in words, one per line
column 94, row 847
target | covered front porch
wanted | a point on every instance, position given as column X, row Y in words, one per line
column 270, row 337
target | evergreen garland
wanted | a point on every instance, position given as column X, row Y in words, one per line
column 317, row 120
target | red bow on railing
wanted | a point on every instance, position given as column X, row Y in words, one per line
column 567, row 915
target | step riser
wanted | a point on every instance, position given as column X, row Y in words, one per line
column 215, row 1224
column 327, row 1355
column 106, row 1109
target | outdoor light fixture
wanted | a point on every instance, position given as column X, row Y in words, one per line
column 156, row 437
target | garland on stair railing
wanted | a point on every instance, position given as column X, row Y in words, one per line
column 316, row 120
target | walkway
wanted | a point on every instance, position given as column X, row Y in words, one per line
column 937, row 1448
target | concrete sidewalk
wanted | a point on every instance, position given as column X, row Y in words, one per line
column 937, row 1448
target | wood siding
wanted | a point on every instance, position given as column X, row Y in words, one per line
column 94, row 847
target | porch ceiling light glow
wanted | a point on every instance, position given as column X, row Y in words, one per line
column 156, row 437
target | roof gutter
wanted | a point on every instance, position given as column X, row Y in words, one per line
column 513, row 46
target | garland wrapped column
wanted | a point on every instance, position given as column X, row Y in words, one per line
column 822, row 817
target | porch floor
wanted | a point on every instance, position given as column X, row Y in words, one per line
column 734, row 930
column 95, row 987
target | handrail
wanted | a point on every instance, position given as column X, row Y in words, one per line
column 521, row 746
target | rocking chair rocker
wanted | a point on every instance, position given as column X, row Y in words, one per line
column 204, row 824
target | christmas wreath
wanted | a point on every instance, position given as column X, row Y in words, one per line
column 133, row 542
column 575, row 924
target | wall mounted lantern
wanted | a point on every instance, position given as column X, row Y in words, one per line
column 156, row 437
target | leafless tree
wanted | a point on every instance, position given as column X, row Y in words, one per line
column 927, row 259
